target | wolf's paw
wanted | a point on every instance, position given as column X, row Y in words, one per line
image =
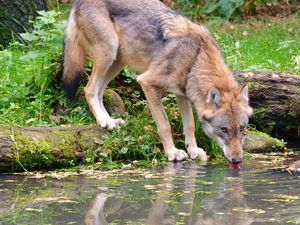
column 177, row 155
column 111, row 123
column 195, row 152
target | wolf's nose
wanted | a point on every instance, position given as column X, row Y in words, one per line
column 236, row 160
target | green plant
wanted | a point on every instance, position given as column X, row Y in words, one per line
column 190, row 8
column 129, row 75
column 137, row 139
column 30, row 87
column 223, row 8
column 198, row 9
column 25, row 72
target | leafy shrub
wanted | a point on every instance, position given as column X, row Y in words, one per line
column 27, row 89
column 227, row 9
column 198, row 9
column 224, row 8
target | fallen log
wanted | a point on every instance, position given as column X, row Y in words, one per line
column 43, row 148
column 275, row 97
column 30, row 148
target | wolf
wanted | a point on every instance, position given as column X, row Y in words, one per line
column 171, row 54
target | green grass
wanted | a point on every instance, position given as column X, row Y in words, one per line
column 271, row 45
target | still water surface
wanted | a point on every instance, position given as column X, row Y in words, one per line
column 181, row 193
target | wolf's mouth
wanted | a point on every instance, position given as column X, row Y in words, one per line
column 234, row 166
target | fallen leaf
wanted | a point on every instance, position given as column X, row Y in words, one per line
column 54, row 119
column 296, row 60
column 149, row 187
column 231, row 27
column 241, row 209
column 33, row 210
column 184, row 214
column 291, row 30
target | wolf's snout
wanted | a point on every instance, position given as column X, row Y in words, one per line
column 235, row 163
column 236, row 160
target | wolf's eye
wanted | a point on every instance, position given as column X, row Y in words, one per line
column 224, row 130
column 242, row 128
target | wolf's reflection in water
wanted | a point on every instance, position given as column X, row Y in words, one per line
column 222, row 206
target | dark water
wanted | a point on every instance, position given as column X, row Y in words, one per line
column 181, row 193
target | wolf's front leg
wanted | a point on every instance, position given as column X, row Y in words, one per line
column 189, row 129
column 153, row 95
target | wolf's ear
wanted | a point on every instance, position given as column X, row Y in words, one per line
column 214, row 97
column 244, row 93
column 244, row 98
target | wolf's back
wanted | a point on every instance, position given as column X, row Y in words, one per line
column 74, row 57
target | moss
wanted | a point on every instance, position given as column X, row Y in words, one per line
column 279, row 143
column 257, row 141
column 108, row 97
column 258, row 119
column 67, row 144
column 43, row 153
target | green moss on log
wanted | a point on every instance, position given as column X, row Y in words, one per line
column 43, row 153
column 259, row 142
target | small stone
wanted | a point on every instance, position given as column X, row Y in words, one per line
column 54, row 119
column 113, row 102
column 257, row 142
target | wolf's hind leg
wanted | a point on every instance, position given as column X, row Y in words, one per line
column 103, row 49
column 95, row 214
column 94, row 94
column 153, row 95
column 113, row 71
column 189, row 129
column 105, row 68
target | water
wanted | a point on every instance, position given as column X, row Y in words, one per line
column 181, row 193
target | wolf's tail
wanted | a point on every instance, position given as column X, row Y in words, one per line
column 74, row 58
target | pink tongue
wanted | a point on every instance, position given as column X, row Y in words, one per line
column 234, row 166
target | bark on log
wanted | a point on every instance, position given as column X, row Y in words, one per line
column 275, row 98
column 41, row 148
column 15, row 16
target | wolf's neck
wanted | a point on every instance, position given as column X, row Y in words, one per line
column 206, row 74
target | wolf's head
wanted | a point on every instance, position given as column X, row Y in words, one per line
column 225, row 119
